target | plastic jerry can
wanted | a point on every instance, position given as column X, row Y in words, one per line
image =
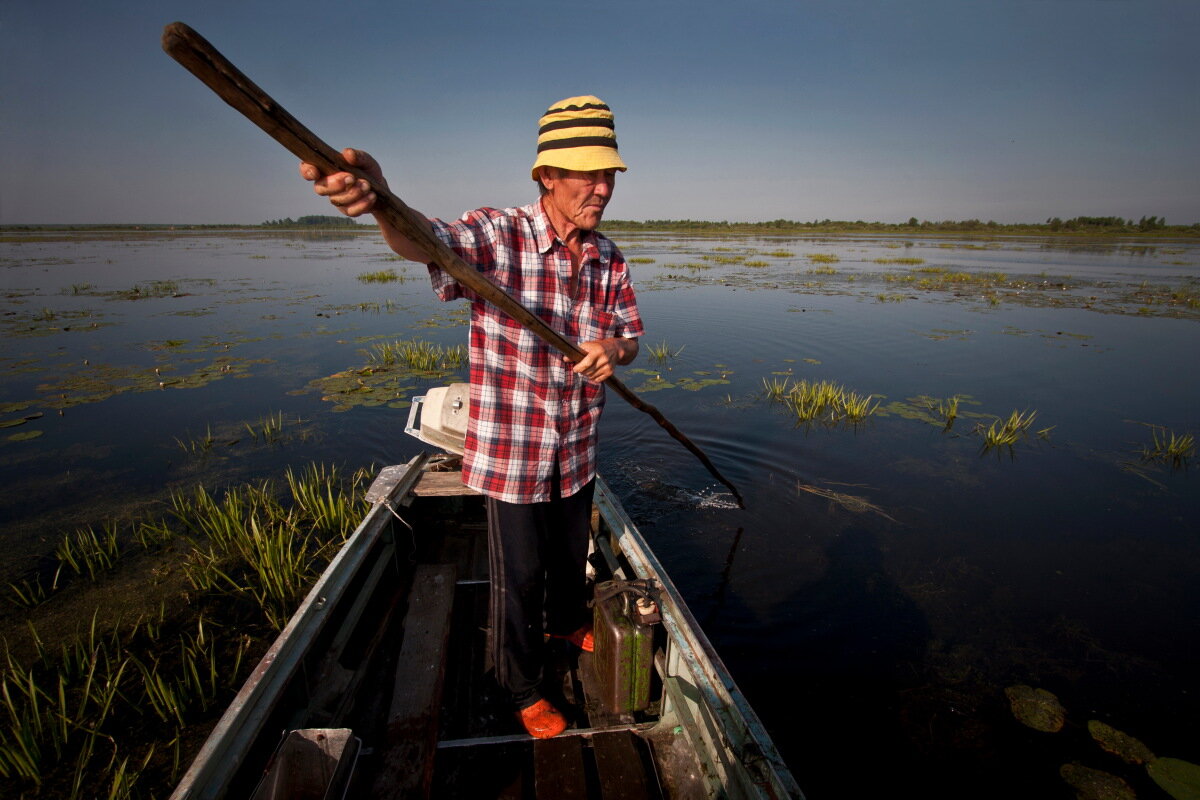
column 623, row 651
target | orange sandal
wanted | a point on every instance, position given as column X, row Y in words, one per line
column 582, row 638
column 542, row 720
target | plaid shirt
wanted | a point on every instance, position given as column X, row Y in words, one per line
column 529, row 411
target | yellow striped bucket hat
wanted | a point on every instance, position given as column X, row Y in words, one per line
column 578, row 134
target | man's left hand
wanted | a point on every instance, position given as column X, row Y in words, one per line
column 601, row 357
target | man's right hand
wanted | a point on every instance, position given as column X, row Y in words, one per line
column 349, row 195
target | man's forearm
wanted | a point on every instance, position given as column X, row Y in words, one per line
column 627, row 350
column 401, row 244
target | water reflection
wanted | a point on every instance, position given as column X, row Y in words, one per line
column 876, row 646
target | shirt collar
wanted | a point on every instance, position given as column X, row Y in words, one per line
column 544, row 233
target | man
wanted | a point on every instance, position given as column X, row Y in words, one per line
column 531, row 436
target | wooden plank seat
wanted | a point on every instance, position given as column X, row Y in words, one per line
column 407, row 768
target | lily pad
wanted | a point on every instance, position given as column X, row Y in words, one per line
column 12, row 423
column 1036, row 708
column 1180, row 779
column 1094, row 784
column 1120, row 744
column 24, row 436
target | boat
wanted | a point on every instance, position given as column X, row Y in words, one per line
column 378, row 686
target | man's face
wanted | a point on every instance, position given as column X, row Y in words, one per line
column 578, row 198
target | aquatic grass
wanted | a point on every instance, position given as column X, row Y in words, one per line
column 663, row 351
column 776, row 388
column 1169, row 447
column 200, row 445
column 269, row 429
column 779, row 253
column 641, row 260
column 380, row 276
column 822, row 258
column 856, row 407
column 902, row 260
column 249, row 544
column 326, row 500
column 109, row 689
column 1005, row 432
column 718, row 259
column 809, row 401
column 59, row 709
column 418, row 354
column 31, row 593
column 87, row 550
column 757, row 263
column 150, row 289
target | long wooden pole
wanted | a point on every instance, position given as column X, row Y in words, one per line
column 203, row 60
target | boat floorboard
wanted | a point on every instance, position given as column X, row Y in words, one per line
column 483, row 752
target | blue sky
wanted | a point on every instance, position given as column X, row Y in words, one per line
column 751, row 110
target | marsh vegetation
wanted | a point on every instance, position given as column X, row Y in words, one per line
column 968, row 464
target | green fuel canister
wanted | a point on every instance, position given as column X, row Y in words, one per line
column 624, row 644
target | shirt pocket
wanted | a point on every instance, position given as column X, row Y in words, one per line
column 597, row 325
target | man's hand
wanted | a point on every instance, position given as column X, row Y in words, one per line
column 349, row 195
column 354, row 198
column 602, row 357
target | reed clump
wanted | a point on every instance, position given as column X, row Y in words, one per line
column 663, row 351
column 1006, row 432
column 269, row 428
column 250, row 544
column 810, row 401
column 911, row 261
column 380, row 276
column 418, row 354
column 105, row 711
column 1169, row 447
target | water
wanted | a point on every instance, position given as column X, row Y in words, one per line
column 885, row 582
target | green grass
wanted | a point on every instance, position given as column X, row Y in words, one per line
column 1170, row 447
column 381, row 276
column 946, row 409
column 820, row 400
column 663, row 351
column 418, row 354
column 269, row 429
column 105, row 711
column 911, row 261
column 150, row 289
column 1005, row 432
column 199, row 445
column 91, row 551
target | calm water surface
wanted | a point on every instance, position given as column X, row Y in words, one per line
column 874, row 625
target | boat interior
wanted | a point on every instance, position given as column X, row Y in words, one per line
column 396, row 695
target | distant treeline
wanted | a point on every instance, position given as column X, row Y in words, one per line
column 1076, row 225
column 1094, row 225
column 311, row 221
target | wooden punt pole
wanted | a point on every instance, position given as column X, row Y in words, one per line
column 203, row 60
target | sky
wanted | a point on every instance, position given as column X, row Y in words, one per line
column 1005, row 110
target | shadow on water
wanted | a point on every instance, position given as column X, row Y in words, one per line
column 851, row 643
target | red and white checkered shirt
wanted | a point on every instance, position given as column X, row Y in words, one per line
column 529, row 411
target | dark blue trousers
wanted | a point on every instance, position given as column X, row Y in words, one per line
column 537, row 554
